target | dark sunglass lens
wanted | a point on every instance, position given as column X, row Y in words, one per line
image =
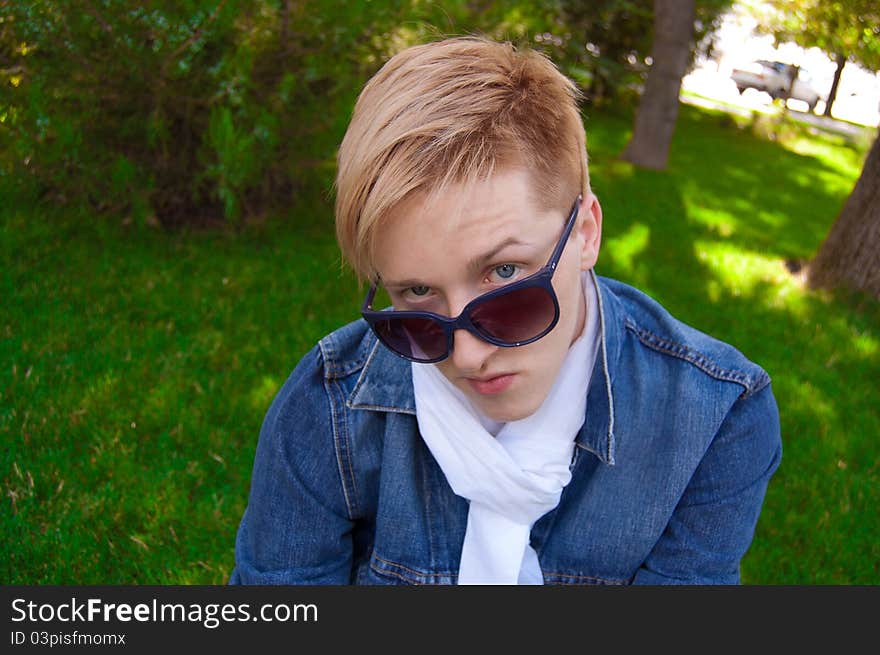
column 416, row 338
column 519, row 315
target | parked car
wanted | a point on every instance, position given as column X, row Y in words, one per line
column 778, row 79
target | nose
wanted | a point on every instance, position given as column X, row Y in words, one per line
column 469, row 352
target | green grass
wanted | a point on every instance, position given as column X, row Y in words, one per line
column 136, row 367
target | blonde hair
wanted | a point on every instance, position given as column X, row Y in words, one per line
column 455, row 111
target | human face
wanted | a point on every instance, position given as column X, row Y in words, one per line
column 514, row 314
column 438, row 254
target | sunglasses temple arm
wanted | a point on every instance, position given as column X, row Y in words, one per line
column 557, row 252
column 368, row 301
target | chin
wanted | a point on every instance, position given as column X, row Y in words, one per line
column 506, row 414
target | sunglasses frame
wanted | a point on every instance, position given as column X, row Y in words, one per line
column 541, row 278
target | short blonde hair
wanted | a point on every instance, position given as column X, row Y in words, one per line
column 449, row 112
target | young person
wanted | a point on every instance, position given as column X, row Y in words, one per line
column 513, row 418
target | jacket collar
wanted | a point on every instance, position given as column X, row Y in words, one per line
column 385, row 383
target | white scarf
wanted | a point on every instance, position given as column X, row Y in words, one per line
column 515, row 478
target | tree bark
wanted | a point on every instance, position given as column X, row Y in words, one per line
column 850, row 255
column 832, row 94
column 658, row 107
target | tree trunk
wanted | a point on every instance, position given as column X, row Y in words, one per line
column 832, row 94
column 850, row 256
column 658, row 107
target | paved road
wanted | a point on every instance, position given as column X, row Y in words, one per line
column 821, row 122
column 827, row 123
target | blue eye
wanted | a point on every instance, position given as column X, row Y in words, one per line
column 506, row 271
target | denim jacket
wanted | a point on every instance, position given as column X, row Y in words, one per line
column 680, row 438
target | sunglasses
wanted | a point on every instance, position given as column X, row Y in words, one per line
column 513, row 315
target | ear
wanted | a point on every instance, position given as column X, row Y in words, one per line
column 589, row 226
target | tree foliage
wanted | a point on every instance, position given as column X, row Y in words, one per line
column 178, row 108
column 837, row 27
column 845, row 30
column 190, row 110
column 605, row 44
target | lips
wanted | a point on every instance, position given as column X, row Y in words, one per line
column 492, row 385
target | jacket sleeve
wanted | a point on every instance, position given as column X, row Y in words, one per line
column 714, row 522
column 296, row 527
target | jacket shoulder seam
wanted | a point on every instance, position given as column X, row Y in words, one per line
column 336, row 367
column 750, row 383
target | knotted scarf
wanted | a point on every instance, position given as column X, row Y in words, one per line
column 514, row 478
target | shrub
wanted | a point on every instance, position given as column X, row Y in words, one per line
column 188, row 109
column 191, row 111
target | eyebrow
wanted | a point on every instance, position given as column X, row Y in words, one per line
column 473, row 264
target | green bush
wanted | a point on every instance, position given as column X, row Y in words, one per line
column 194, row 110
column 190, row 109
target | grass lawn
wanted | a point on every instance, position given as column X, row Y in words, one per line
column 136, row 367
